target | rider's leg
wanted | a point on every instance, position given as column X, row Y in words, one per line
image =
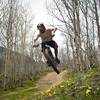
column 54, row 45
column 56, row 52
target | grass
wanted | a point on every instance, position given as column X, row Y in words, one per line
column 21, row 95
column 80, row 86
column 25, row 92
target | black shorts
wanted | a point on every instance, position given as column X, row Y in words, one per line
column 50, row 43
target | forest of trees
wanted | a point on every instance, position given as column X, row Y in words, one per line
column 16, row 53
column 78, row 21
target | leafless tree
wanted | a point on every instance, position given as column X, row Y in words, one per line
column 77, row 18
column 15, row 25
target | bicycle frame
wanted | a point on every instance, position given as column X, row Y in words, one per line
column 50, row 58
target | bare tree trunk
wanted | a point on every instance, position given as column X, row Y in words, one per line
column 98, row 28
column 77, row 39
column 97, row 21
column 9, row 64
column 74, row 68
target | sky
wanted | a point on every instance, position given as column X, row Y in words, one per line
column 38, row 10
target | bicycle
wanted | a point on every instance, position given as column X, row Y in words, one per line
column 50, row 58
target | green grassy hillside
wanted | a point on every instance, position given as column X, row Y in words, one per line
column 80, row 86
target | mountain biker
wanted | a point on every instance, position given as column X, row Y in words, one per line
column 46, row 36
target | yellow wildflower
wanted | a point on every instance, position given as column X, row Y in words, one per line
column 49, row 94
column 62, row 86
column 54, row 92
column 48, row 91
column 90, row 88
column 88, row 91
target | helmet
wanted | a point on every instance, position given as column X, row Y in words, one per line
column 40, row 26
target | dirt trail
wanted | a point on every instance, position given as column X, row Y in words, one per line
column 50, row 80
column 47, row 82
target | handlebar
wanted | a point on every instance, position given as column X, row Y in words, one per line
column 36, row 45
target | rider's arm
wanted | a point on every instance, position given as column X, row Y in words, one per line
column 54, row 30
column 37, row 38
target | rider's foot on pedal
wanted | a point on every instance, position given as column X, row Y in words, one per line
column 58, row 61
